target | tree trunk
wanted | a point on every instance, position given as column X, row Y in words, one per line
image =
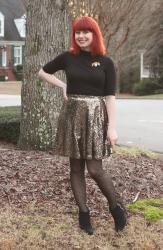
column 47, row 36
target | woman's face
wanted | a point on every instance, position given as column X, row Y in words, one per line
column 84, row 39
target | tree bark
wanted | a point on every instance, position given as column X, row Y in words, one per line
column 47, row 36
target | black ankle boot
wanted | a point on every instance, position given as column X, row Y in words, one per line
column 120, row 217
column 84, row 222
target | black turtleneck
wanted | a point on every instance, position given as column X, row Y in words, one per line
column 83, row 77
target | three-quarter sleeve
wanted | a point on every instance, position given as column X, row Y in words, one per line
column 111, row 78
column 58, row 63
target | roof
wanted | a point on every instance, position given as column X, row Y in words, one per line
column 11, row 9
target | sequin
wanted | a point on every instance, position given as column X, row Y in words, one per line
column 82, row 128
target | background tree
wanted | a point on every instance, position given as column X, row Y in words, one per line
column 115, row 18
column 47, row 36
column 146, row 33
column 127, row 26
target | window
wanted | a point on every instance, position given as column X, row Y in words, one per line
column 17, row 55
column 1, row 24
column 4, row 58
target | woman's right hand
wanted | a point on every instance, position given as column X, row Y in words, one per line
column 65, row 92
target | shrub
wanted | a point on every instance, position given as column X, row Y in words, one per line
column 2, row 78
column 18, row 70
column 159, row 91
column 9, row 123
column 160, row 80
column 146, row 87
column 128, row 79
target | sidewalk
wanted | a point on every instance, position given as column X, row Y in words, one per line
column 10, row 100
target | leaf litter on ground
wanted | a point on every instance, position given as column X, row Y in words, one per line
column 39, row 207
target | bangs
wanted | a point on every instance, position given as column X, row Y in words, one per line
column 83, row 25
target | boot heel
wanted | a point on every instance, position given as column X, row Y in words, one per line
column 120, row 217
column 84, row 222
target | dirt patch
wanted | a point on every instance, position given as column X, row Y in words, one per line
column 10, row 88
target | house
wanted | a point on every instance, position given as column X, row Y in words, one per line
column 12, row 37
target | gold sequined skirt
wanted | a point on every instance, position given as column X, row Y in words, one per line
column 82, row 128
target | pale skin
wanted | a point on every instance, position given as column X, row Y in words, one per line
column 84, row 39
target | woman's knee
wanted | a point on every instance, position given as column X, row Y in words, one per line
column 77, row 165
column 95, row 169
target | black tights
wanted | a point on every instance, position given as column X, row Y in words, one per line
column 95, row 170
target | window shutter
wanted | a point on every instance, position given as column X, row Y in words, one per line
column 23, row 53
column 0, row 57
column 12, row 54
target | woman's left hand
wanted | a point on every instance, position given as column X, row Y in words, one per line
column 112, row 136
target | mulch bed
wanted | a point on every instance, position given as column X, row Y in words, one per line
column 40, row 178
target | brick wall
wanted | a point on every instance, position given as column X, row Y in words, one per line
column 7, row 71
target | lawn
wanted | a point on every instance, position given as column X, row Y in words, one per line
column 10, row 88
column 14, row 88
column 128, row 96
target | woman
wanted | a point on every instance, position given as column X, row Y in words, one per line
column 86, row 125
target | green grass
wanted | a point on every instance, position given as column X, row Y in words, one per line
column 10, row 108
column 128, row 96
column 7, row 112
column 135, row 151
column 152, row 208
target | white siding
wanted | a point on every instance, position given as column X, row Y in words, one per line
column 21, row 25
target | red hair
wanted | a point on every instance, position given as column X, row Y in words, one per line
column 88, row 23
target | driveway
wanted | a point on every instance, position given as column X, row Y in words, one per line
column 140, row 122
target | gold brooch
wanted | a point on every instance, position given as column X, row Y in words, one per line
column 95, row 64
